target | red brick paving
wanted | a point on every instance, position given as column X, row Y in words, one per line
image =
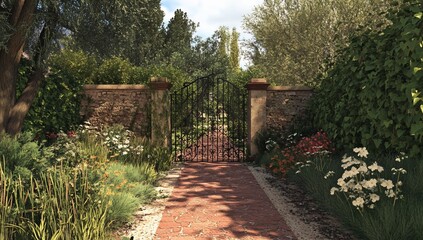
column 220, row 201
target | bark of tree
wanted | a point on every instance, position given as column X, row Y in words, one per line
column 12, row 112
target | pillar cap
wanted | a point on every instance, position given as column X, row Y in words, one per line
column 258, row 84
column 160, row 83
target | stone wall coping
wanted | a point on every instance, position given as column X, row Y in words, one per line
column 160, row 85
column 289, row 88
column 257, row 86
column 115, row 87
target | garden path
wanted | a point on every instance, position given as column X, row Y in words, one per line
column 220, row 201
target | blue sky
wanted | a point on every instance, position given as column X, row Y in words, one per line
column 213, row 13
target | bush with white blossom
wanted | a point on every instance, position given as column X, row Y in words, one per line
column 362, row 184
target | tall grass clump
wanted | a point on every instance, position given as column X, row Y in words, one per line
column 126, row 188
column 55, row 206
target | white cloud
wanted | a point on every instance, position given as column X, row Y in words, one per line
column 211, row 14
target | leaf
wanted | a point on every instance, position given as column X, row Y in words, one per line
column 416, row 128
column 377, row 142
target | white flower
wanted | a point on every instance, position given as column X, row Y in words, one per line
column 361, row 152
column 126, row 141
column 374, row 197
column 400, row 170
column 350, row 173
column 370, row 184
column 346, row 159
column 363, row 168
column 329, row 174
column 333, row 190
column 124, row 152
column 358, row 202
column 375, row 167
column 387, row 184
column 390, row 193
column 358, row 187
column 341, row 182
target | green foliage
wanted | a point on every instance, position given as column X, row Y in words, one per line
column 55, row 206
column 178, row 34
column 404, row 221
column 367, row 98
column 296, row 40
column 69, row 189
column 114, row 70
column 22, row 156
column 126, row 28
column 126, row 189
column 56, row 105
column 124, row 146
column 234, row 51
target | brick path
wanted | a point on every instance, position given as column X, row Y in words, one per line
column 220, row 201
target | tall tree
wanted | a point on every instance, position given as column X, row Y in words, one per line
column 125, row 28
column 224, row 36
column 297, row 40
column 179, row 33
column 30, row 25
column 234, row 51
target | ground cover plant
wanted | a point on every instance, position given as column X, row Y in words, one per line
column 78, row 187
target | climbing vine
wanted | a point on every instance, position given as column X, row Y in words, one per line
column 371, row 96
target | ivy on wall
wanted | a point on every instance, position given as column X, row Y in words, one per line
column 372, row 97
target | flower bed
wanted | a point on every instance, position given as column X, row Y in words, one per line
column 376, row 196
column 81, row 186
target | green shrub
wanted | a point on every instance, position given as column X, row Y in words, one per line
column 370, row 97
column 57, row 103
column 112, row 71
column 22, row 156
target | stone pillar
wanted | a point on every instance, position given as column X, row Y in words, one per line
column 160, row 112
column 256, row 118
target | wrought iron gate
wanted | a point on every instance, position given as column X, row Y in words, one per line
column 209, row 121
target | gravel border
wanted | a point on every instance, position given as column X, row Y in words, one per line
column 285, row 208
column 147, row 219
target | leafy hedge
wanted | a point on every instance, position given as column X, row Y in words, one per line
column 56, row 106
column 371, row 96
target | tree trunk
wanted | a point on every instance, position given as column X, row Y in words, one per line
column 8, row 70
column 21, row 18
column 21, row 108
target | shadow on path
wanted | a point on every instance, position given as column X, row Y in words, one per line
column 220, row 201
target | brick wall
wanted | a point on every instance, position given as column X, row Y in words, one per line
column 127, row 105
column 284, row 104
